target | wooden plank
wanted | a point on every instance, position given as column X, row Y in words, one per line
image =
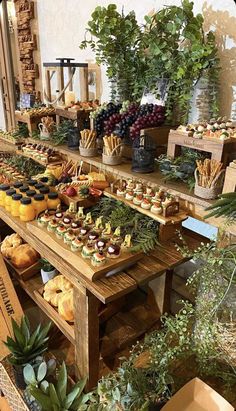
column 181, row 216
column 179, row 286
column 142, row 273
column 87, row 336
column 76, row 260
column 230, row 180
column 168, row 255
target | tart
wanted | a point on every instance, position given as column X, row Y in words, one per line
column 92, row 237
column 98, row 259
column 87, row 251
column 129, row 195
column 80, row 214
column 107, row 232
column 113, row 251
column 88, row 220
column 44, row 219
column 83, row 231
column 116, row 238
column 146, row 204
column 156, row 208
column 76, row 244
column 58, row 216
column 60, row 231
column 66, row 221
column 99, row 224
column 75, row 225
column 127, row 243
column 52, row 225
column 68, row 237
column 101, row 244
column 138, row 199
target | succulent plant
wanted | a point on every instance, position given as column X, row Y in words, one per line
column 26, row 346
column 83, row 191
column 57, row 398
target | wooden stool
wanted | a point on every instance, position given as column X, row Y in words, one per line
column 230, row 178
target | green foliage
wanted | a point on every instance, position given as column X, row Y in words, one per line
column 182, row 167
column 171, row 44
column 46, row 265
column 144, row 230
column 26, row 165
column 224, row 207
column 21, row 131
column 26, row 346
column 61, row 134
column 57, row 398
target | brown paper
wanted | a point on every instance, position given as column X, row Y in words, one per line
column 197, row 396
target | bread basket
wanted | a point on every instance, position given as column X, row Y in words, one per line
column 88, row 152
column 212, row 192
column 113, row 159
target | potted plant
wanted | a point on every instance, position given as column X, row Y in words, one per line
column 58, row 397
column 47, row 270
column 68, row 133
column 26, row 346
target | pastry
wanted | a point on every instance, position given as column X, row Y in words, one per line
column 59, row 216
column 76, row 244
column 138, row 199
column 66, row 221
column 129, row 195
column 9, row 243
column 99, row 224
column 120, row 192
column 130, row 185
column 87, row 251
column 83, row 231
column 156, row 208
column 98, row 259
column 101, row 244
column 88, row 220
column 138, row 188
column 113, row 251
column 52, row 225
column 116, row 238
column 66, row 305
column 44, row 219
column 60, row 231
column 53, row 288
column 68, row 237
column 149, row 193
column 107, row 232
column 127, row 243
column 75, row 225
column 92, row 237
column 146, row 204
column 24, row 256
column 80, row 214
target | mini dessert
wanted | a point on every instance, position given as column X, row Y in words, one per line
column 71, row 212
column 138, row 188
column 130, row 185
column 58, row 216
column 99, row 225
column 149, row 193
column 138, row 199
column 68, row 237
column 156, row 208
column 113, row 251
column 88, row 220
column 44, row 219
column 83, row 231
column 146, row 204
column 92, row 237
column 87, row 251
column 76, row 244
column 127, row 243
column 101, row 244
column 120, row 192
column 116, row 238
column 52, row 225
column 75, row 225
column 80, row 214
column 98, row 259
column 159, row 195
column 107, row 232
column 66, row 221
column 129, row 195
column 60, row 231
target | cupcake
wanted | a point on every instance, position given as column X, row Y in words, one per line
column 44, row 219
column 92, row 237
column 146, row 204
column 75, row 225
column 66, row 221
column 87, row 251
column 52, row 225
column 68, row 237
column 156, row 208
column 83, row 232
column 113, row 251
column 101, row 244
column 129, row 195
column 60, row 231
column 107, row 232
column 98, row 259
column 76, row 244
column 138, row 199
column 116, row 238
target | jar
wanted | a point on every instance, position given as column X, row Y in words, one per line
column 38, row 186
column 15, row 205
column 3, row 190
column 45, row 191
column 23, row 190
column 31, row 183
column 53, row 201
column 26, row 209
column 17, row 185
column 30, row 193
column 8, row 199
column 39, row 203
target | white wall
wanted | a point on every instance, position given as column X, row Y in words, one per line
column 2, row 117
column 62, row 26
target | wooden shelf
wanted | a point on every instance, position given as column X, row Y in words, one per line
column 22, row 153
column 177, row 218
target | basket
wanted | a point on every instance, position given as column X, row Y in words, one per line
column 88, row 152
column 13, row 395
column 212, row 192
column 44, row 133
column 113, row 160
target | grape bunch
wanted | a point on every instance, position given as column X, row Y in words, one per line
column 110, row 124
column 149, row 115
column 103, row 115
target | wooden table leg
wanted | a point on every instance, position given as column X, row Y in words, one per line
column 173, row 150
column 86, row 335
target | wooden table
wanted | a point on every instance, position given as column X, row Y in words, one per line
column 89, row 295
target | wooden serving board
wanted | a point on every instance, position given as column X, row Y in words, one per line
column 75, row 259
column 174, row 219
column 24, row 273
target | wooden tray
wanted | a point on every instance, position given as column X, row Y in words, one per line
column 174, row 219
column 77, row 200
column 24, row 273
column 76, row 260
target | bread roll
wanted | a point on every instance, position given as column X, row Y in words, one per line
column 51, row 297
column 24, row 256
column 9, row 243
column 58, row 283
column 66, row 305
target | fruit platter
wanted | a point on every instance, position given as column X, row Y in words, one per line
column 220, row 129
column 90, row 245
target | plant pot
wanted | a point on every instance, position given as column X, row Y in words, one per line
column 19, row 377
column 44, row 133
column 31, row 402
column 73, row 141
column 48, row 275
column 111, row 160
column 88, row 152
column 212, row 192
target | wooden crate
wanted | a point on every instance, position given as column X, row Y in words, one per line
column 230, row 179
column 76, row 260
column 80, row 116
column 23, row 273
column 221, row 150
